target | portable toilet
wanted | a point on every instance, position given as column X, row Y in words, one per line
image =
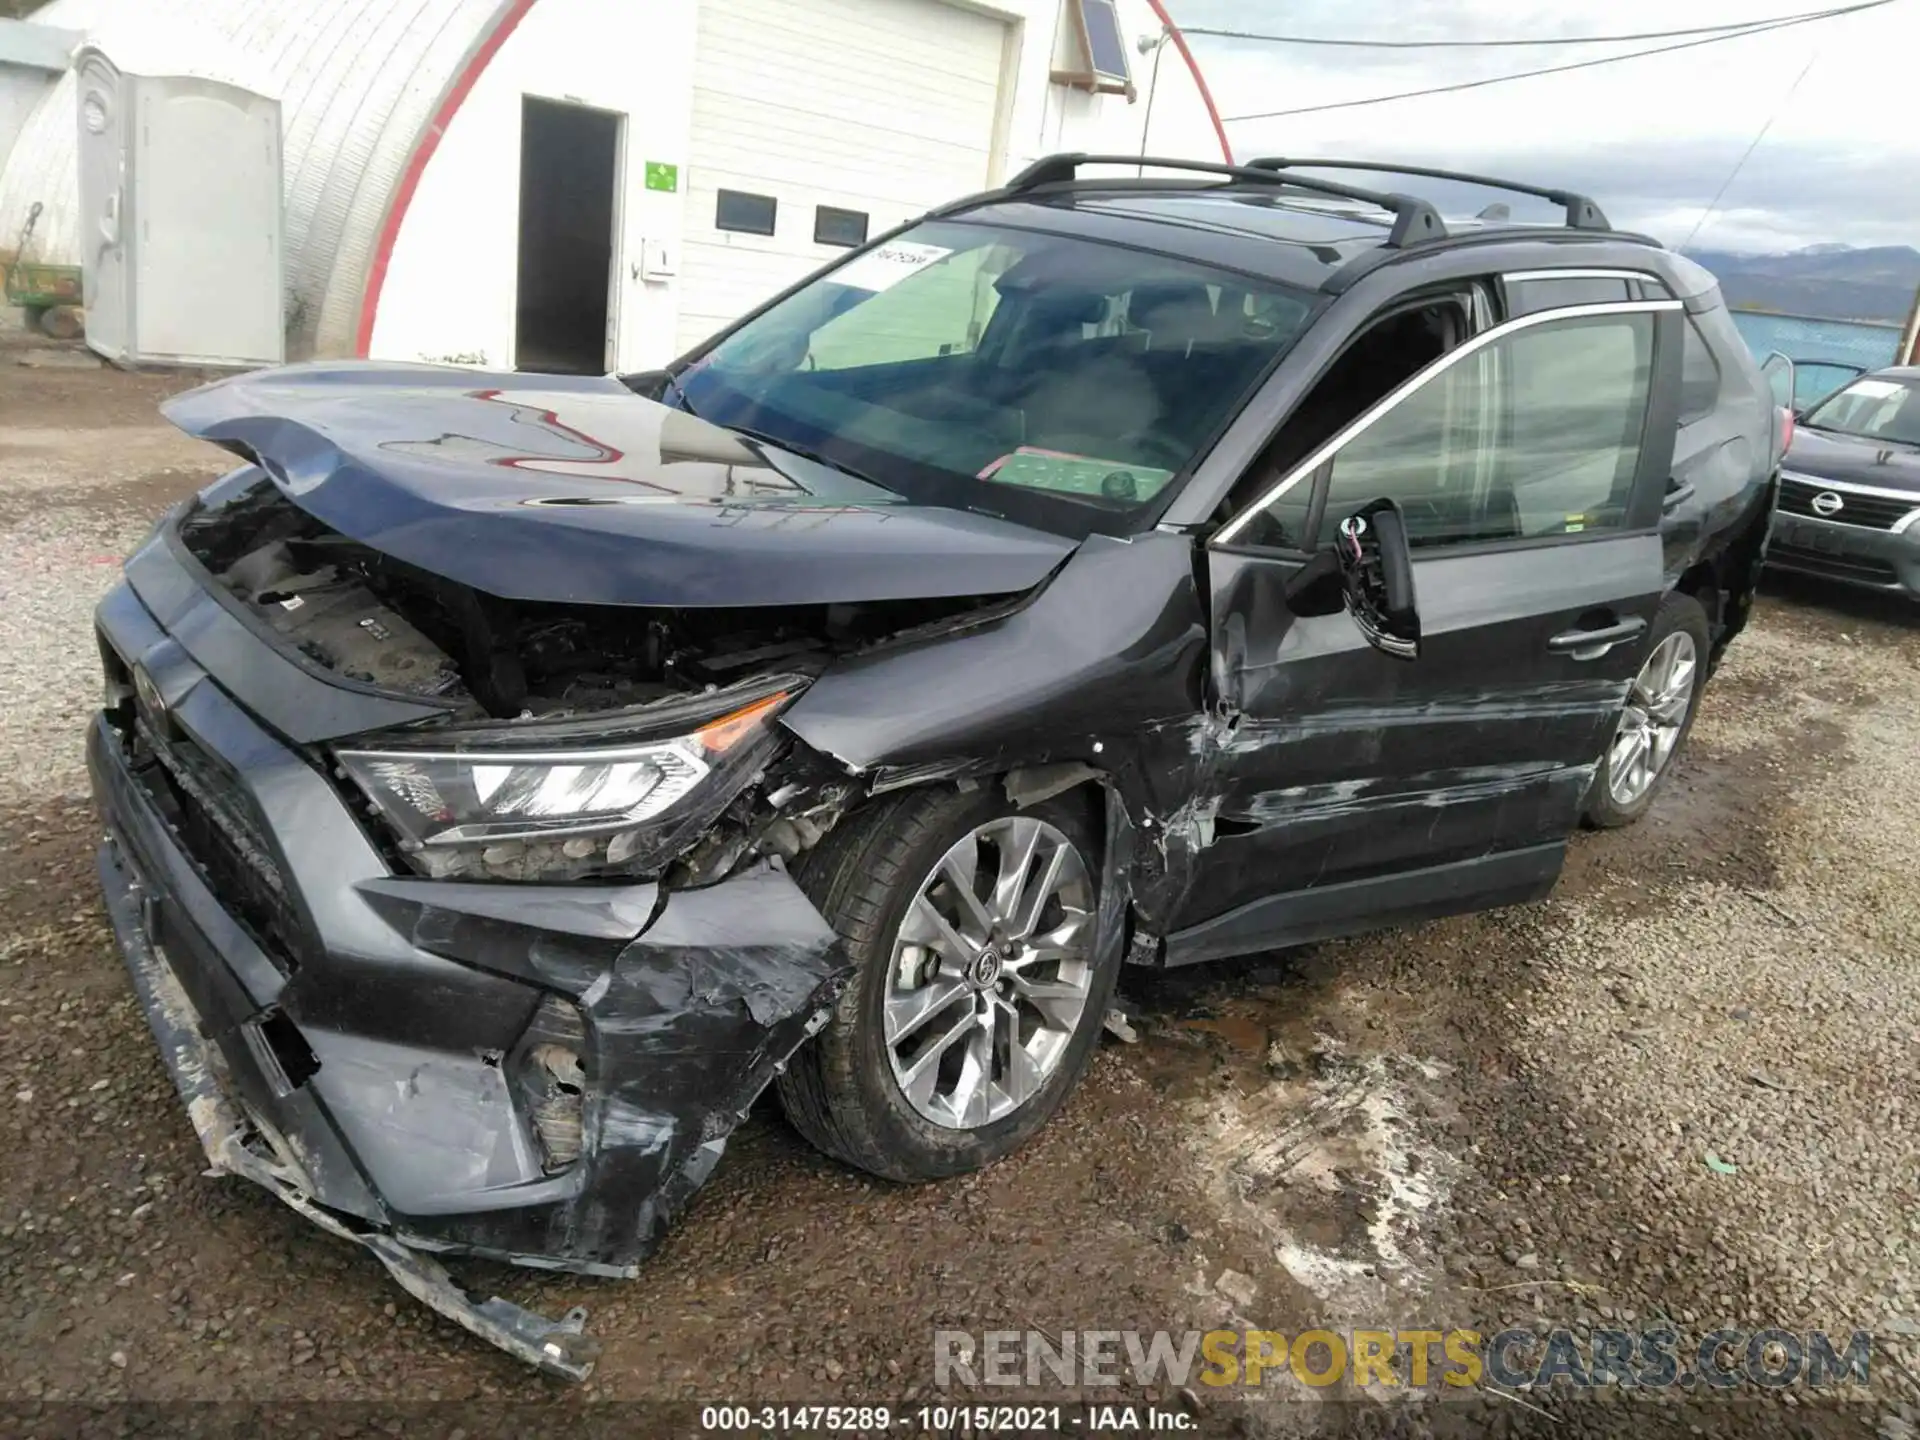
column 180, row 196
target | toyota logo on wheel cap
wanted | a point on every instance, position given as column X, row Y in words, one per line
column 1828, row 503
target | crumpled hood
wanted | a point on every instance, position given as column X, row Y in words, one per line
column 1857, row 462
column 557, row 488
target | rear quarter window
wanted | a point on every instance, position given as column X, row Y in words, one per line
column 1699, row 375
column 1525, row 297
column 1715, row 329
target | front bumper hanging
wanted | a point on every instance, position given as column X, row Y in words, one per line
column 238, row 1146
column 535, row 1074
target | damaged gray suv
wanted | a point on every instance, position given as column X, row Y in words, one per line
column 507, row 777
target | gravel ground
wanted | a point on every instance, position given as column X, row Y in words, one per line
column 1515, row 1118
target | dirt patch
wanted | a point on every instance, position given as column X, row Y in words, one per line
column 82, row 398
column 140, row 497
column 1715, row 815
column 46, row 865
column 1773, row 720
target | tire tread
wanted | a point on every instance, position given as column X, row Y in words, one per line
column 856, row 878
column 849, row 877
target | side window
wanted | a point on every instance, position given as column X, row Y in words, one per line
column 1537, row 433
column 1283, row 525
column 1575, row 418
column 1699, row 376
column 1382, row 357
column 1814, row 380
column 1526, row 297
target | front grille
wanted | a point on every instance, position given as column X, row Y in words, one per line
column 1840, row 567
column 220, row 833
column 210, row 816
column 1874, row 512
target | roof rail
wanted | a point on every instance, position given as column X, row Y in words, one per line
column 1582, row 213
column 1414, row 220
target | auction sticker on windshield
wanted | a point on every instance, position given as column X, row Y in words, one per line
column 1071, row 474
column 886, row 266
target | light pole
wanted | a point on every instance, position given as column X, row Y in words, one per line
column 1152, row 45
column 1910, row 336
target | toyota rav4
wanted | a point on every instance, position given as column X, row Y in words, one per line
column 507, row 777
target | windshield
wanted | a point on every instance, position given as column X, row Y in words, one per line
column 1055, row 381
column 1873, row 409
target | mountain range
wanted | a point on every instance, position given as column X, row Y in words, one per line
column 1833, row 282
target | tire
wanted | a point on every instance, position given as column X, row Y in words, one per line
column 843, row 1090
column 1606, row 807
column 62, row 322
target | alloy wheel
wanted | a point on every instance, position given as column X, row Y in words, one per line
column 1656, row 713
column 990, row 973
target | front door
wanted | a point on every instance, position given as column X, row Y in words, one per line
column 1349, row 788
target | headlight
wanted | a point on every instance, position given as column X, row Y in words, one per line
column 490, row 805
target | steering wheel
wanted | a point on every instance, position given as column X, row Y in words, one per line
column 1166, row 452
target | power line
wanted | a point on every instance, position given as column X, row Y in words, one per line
column 1758, row 29
column 1731, row 27
column 1747, row 154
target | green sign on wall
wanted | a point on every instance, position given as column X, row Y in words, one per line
column 662, row 176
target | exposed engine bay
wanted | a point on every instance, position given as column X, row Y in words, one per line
column 376, row 621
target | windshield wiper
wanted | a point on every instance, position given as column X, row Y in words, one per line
column 680, row 399
column 675, row 394
column 804, row 452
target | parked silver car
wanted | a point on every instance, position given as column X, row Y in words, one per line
column 1849, row 504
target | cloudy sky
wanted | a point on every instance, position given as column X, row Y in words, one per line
column 1652, row 139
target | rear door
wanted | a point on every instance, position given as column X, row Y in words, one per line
column 1350, row 788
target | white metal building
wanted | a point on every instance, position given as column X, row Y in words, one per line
column 595, row 184
column 32, row 60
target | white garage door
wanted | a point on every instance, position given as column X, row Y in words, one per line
column 878, row 107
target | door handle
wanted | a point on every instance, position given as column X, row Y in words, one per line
column 1677, row 495
column 1592, row 644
